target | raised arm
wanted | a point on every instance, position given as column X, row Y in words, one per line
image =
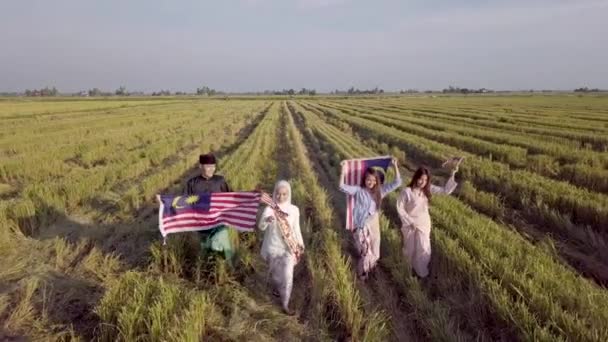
column 448, row 188
column 392, row 186
column 349, row 189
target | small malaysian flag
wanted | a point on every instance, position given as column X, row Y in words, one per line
column 266, row 199
column 452, row 162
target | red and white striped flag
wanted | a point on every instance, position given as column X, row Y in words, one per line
column 355, row 169
column 266, row 199
column 206, row 211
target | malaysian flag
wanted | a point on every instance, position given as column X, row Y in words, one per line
column 355, row 168
column 205, row 211
column 266, row 199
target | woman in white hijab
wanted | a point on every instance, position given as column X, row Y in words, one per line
column 283, row 244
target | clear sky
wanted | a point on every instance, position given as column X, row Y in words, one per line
column 323, row 44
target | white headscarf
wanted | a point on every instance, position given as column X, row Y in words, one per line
column 282, row 184
column 275, row 243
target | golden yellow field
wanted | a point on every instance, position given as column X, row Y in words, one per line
column 520, row 252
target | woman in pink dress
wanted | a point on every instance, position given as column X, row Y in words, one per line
column 413, row 208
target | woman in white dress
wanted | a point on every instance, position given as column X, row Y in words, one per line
column 413, row 208
column 283, row 244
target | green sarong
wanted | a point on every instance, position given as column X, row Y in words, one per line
column 217, row 240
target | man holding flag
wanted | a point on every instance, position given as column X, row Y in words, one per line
column 215, row 239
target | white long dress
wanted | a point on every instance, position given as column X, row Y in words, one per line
column 413, row 209
column 275, row 252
